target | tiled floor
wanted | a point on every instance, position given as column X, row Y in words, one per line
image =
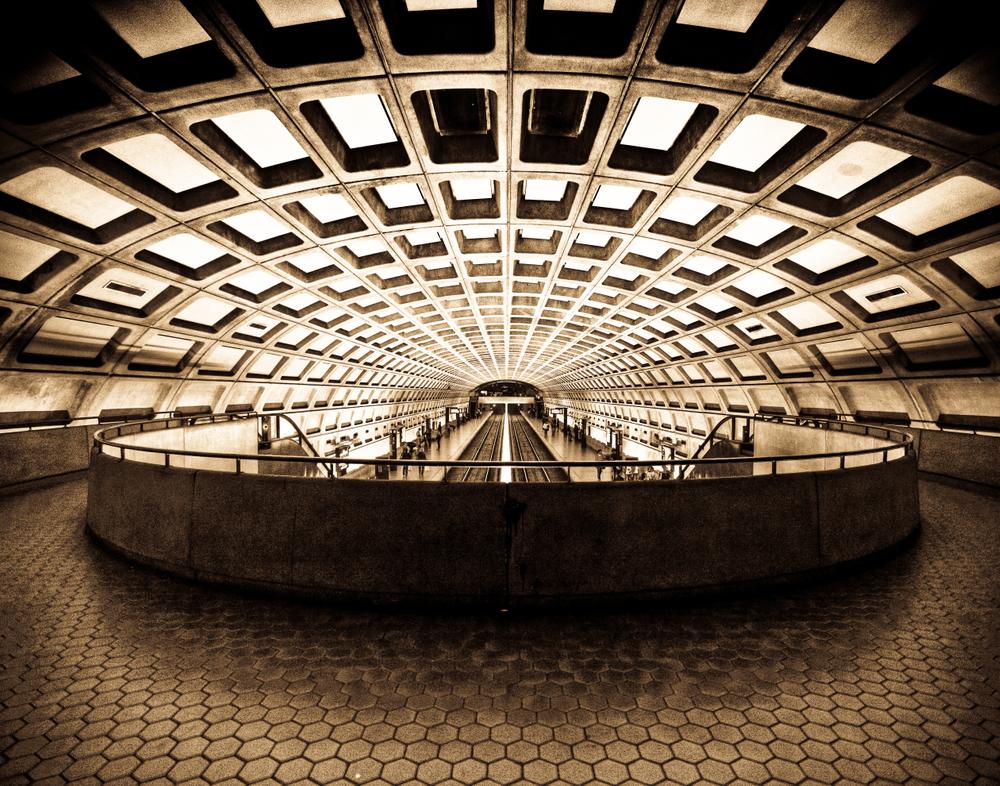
column 113, row 673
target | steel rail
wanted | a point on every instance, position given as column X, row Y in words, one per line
column 523, row 443
column 492, row 426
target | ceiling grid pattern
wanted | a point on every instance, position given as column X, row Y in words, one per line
column 631, row 205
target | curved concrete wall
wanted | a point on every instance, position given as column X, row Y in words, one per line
column 33, row 455
column 786, row 439
column 956, row 455
column 512, row 543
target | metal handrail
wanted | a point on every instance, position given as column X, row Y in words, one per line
column 918, row 423
column 304, row 442
column 104, row 439
column 710, row 438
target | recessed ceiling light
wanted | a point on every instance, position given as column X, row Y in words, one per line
column 851, row 168
column 311, row 261
column 187, row 249
column 704, row 264
column 288, row 13
column 825, row 255
column 754, row 141
column 754, row 327
column 589, row 238
column 714, row 303
column 361, row 120
column 163, row 160
column 758, row 283
column 159, row 27
column 865, row 30
column 757, row 230
column 657, row 122
column 398, row 195
column 479, row 232
column 949, row 201
column 365, row 246
column 646, row 247
column 255, row 281
column 262, row 136
column 327, row 208
column 67, row 195
column 887, row 292
column 422, row 237
column 21, row 256
column 205, row 310
column 258, row 225
column 687, row 210
column 472, row 188
column 580, row 6
column 439, row 5
column 538, row 190
column 614, row 197
column 807, row 314
column 736, row 16
column 299, row 301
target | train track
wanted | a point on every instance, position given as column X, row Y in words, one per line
column 526, row 445
column 485, row 447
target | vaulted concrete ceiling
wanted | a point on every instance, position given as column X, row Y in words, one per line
column 730, row 204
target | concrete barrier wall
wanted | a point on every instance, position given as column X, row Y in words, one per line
column 962, row 456
column 341, row 538
column 864, row 510
column 610, row 538
column 45, row 453
column 511, row 543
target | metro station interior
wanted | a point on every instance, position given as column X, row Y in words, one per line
column 500, row 391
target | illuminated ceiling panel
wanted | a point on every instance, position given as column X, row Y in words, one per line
column 754, row 141
column 66, row 195
column 282, row 13
column 162, row 27
column 851, row 168
column 162, row 159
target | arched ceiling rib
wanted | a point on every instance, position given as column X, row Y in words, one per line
column 580, row 194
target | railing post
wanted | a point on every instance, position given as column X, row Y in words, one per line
column 166, row 459
column 774, row 467
column 238, row 465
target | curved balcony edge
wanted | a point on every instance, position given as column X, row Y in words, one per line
column 494, row 544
